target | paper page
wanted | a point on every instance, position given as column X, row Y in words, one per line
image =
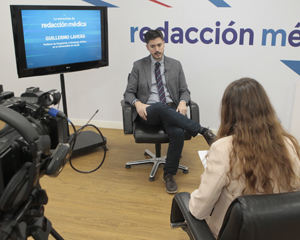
column 202, row 155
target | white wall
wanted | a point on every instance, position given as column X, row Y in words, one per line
column 209, row 68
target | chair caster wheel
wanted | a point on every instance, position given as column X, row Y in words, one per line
column 151, row 179
column 185, row 171
column 127, row 166
column 146, row 154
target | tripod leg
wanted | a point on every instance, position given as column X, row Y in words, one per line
column 55, row 234
column 41, row 229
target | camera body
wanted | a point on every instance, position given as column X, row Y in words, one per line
column 34, row 105
column 33, row 142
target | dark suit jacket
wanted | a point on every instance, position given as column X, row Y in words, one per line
column 139, row 82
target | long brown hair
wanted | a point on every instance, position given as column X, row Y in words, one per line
column 258, row 140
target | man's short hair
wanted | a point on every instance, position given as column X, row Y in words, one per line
column 153, row 34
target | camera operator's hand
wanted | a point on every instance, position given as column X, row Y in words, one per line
column 141, row 109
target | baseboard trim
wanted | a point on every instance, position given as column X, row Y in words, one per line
column 99, row 124
column 111, row 125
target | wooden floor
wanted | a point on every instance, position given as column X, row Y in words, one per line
column 115, row 202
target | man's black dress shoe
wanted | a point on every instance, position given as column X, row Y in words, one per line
column 209, row 137
column 171, row 186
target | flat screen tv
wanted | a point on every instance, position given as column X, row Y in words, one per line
column 59, row 39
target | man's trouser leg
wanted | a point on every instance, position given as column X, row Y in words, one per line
column 161, row 112
column 173, row 123
column 176, row 135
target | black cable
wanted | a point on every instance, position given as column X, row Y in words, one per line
column 72, row 143
column 104, row 148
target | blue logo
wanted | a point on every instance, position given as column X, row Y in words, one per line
column 206, row 34
column 294, row 65
column 99, row 3
column 219, row 3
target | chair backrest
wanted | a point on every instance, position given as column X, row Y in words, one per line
column 263, row 217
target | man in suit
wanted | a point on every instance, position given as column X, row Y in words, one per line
column 157, row 89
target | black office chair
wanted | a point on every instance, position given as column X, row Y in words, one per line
column 253, row 217
column 156, row 135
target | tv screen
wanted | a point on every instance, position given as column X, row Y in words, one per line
column 59, row 39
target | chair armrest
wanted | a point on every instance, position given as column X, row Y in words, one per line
column 194, row 111
column 180, row 214
column 127, row 117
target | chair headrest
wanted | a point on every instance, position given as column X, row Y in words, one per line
column 260, row 217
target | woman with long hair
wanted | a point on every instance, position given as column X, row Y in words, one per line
column 252, row 154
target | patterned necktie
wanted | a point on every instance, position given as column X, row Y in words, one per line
column 160, row 86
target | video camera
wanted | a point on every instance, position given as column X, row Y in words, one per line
column 33, row 143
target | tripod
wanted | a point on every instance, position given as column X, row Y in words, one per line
column 41, row 230
column 28, row 220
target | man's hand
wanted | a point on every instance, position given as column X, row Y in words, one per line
column 141, row 109
column 182, row 107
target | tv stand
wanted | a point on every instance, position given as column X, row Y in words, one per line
column 86, row 140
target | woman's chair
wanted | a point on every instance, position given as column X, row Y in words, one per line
column 155, row 135
column 253, row 217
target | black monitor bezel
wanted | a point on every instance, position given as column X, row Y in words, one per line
column 19, row 45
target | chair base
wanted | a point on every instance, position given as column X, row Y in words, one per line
column 156, row 162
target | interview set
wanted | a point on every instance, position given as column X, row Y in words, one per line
column 252, row 165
